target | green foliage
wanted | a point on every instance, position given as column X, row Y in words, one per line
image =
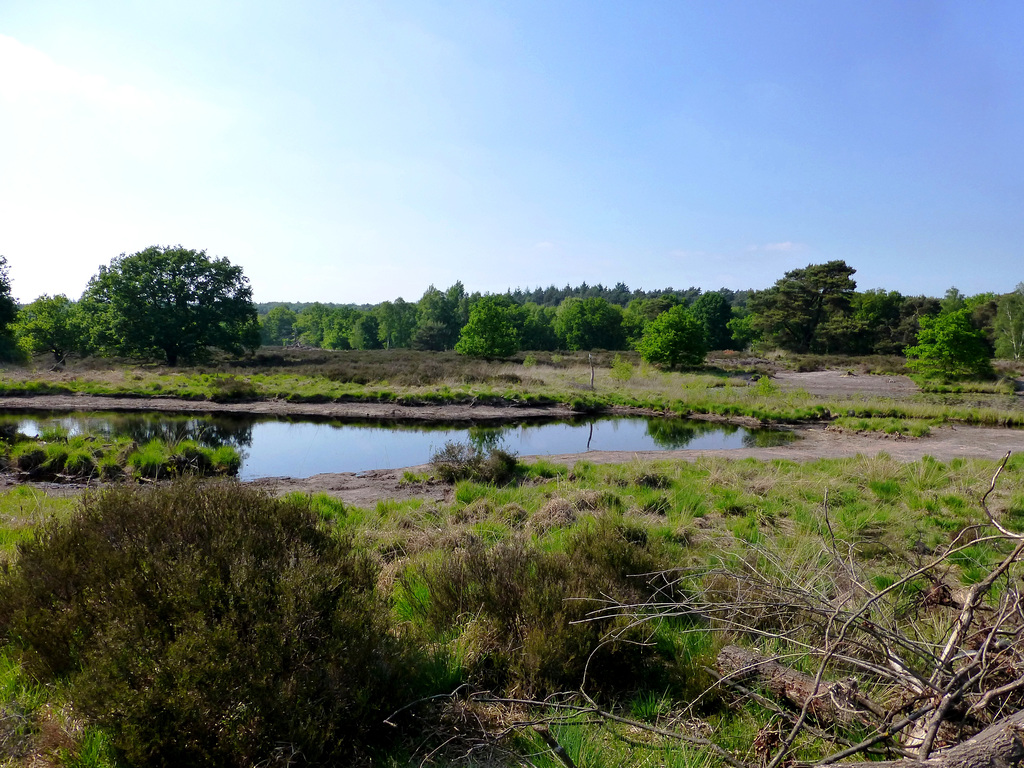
column 277, row 327
column 622, row 370
column 1009, row 324
column 173, row 303
column 538, row 328
column 808, row 309
column 713, row 312
column 441, row 317
column 953, row 301
column 51, row 325
column 9, row 350
column 674, row 338
column 212, row 612
column 948, row 346
column 743, row 333
column 493, row 329
column 585, row 324
column 364, row 331
column 396, row 322
column 640, row 312
column 878, row 314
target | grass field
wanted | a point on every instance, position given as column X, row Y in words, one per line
column 711, row 524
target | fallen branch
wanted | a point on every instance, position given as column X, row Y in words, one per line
column 1001, row 745
column 836, row 702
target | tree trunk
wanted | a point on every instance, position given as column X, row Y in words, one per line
column 1001, row 745
column 834, row 702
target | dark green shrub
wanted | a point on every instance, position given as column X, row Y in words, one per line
column 530, row 609
column 208, row 625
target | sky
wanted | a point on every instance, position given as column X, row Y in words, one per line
column 353, row 152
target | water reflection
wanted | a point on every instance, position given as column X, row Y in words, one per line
column 272, row 447
column 212, row 431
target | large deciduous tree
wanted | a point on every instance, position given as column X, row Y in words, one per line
column 441, row 317
column 949, row 346
column 173, row 303
column 494, row 328
column 674, row 338
column 589, row 324
column 806, row 310
column 51, row 325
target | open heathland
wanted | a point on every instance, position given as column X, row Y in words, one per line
column 492, row 610
column 622, row 584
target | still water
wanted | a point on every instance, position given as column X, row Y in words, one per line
column 273, row 448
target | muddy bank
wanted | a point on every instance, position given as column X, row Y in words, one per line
column 285, row 410
column 814, row 442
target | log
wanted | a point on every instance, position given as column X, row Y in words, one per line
column 1001, row 745
column 835, row 702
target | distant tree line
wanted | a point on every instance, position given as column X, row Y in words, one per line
column 813, row 310
column 177, row 304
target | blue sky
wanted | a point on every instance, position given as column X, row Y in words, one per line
column 360, row 151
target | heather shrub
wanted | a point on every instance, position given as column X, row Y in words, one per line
column 208, row 625
column 526, row 614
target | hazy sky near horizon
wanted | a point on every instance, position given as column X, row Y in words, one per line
column 360, row 151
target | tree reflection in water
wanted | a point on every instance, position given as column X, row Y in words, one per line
column 672, row 434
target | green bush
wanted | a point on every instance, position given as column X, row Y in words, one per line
column 524, row 611
column 208, row 625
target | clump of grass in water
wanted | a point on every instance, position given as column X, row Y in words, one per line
column 460, row 461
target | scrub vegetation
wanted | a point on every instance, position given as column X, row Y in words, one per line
column 596, row 599
column 732, row 386
column 56, row 455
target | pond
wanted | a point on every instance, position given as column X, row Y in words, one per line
column 274, row 447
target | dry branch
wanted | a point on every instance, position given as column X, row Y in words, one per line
column 1001, row 745
column 836, row 702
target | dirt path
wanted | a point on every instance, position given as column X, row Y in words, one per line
column 284, row 410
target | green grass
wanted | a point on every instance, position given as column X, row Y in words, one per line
column 38, row 726
column 415, row 378
column 715, row 514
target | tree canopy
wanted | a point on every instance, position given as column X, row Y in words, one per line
column 589, row 324
column 173, row 303
column 714, row 313
column 804, row 310
column 674, row 338
column 277, row 326
column 8, row 313
column 493, row 329
column 50, row 325
column 949, row 346
column 1009, row 324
